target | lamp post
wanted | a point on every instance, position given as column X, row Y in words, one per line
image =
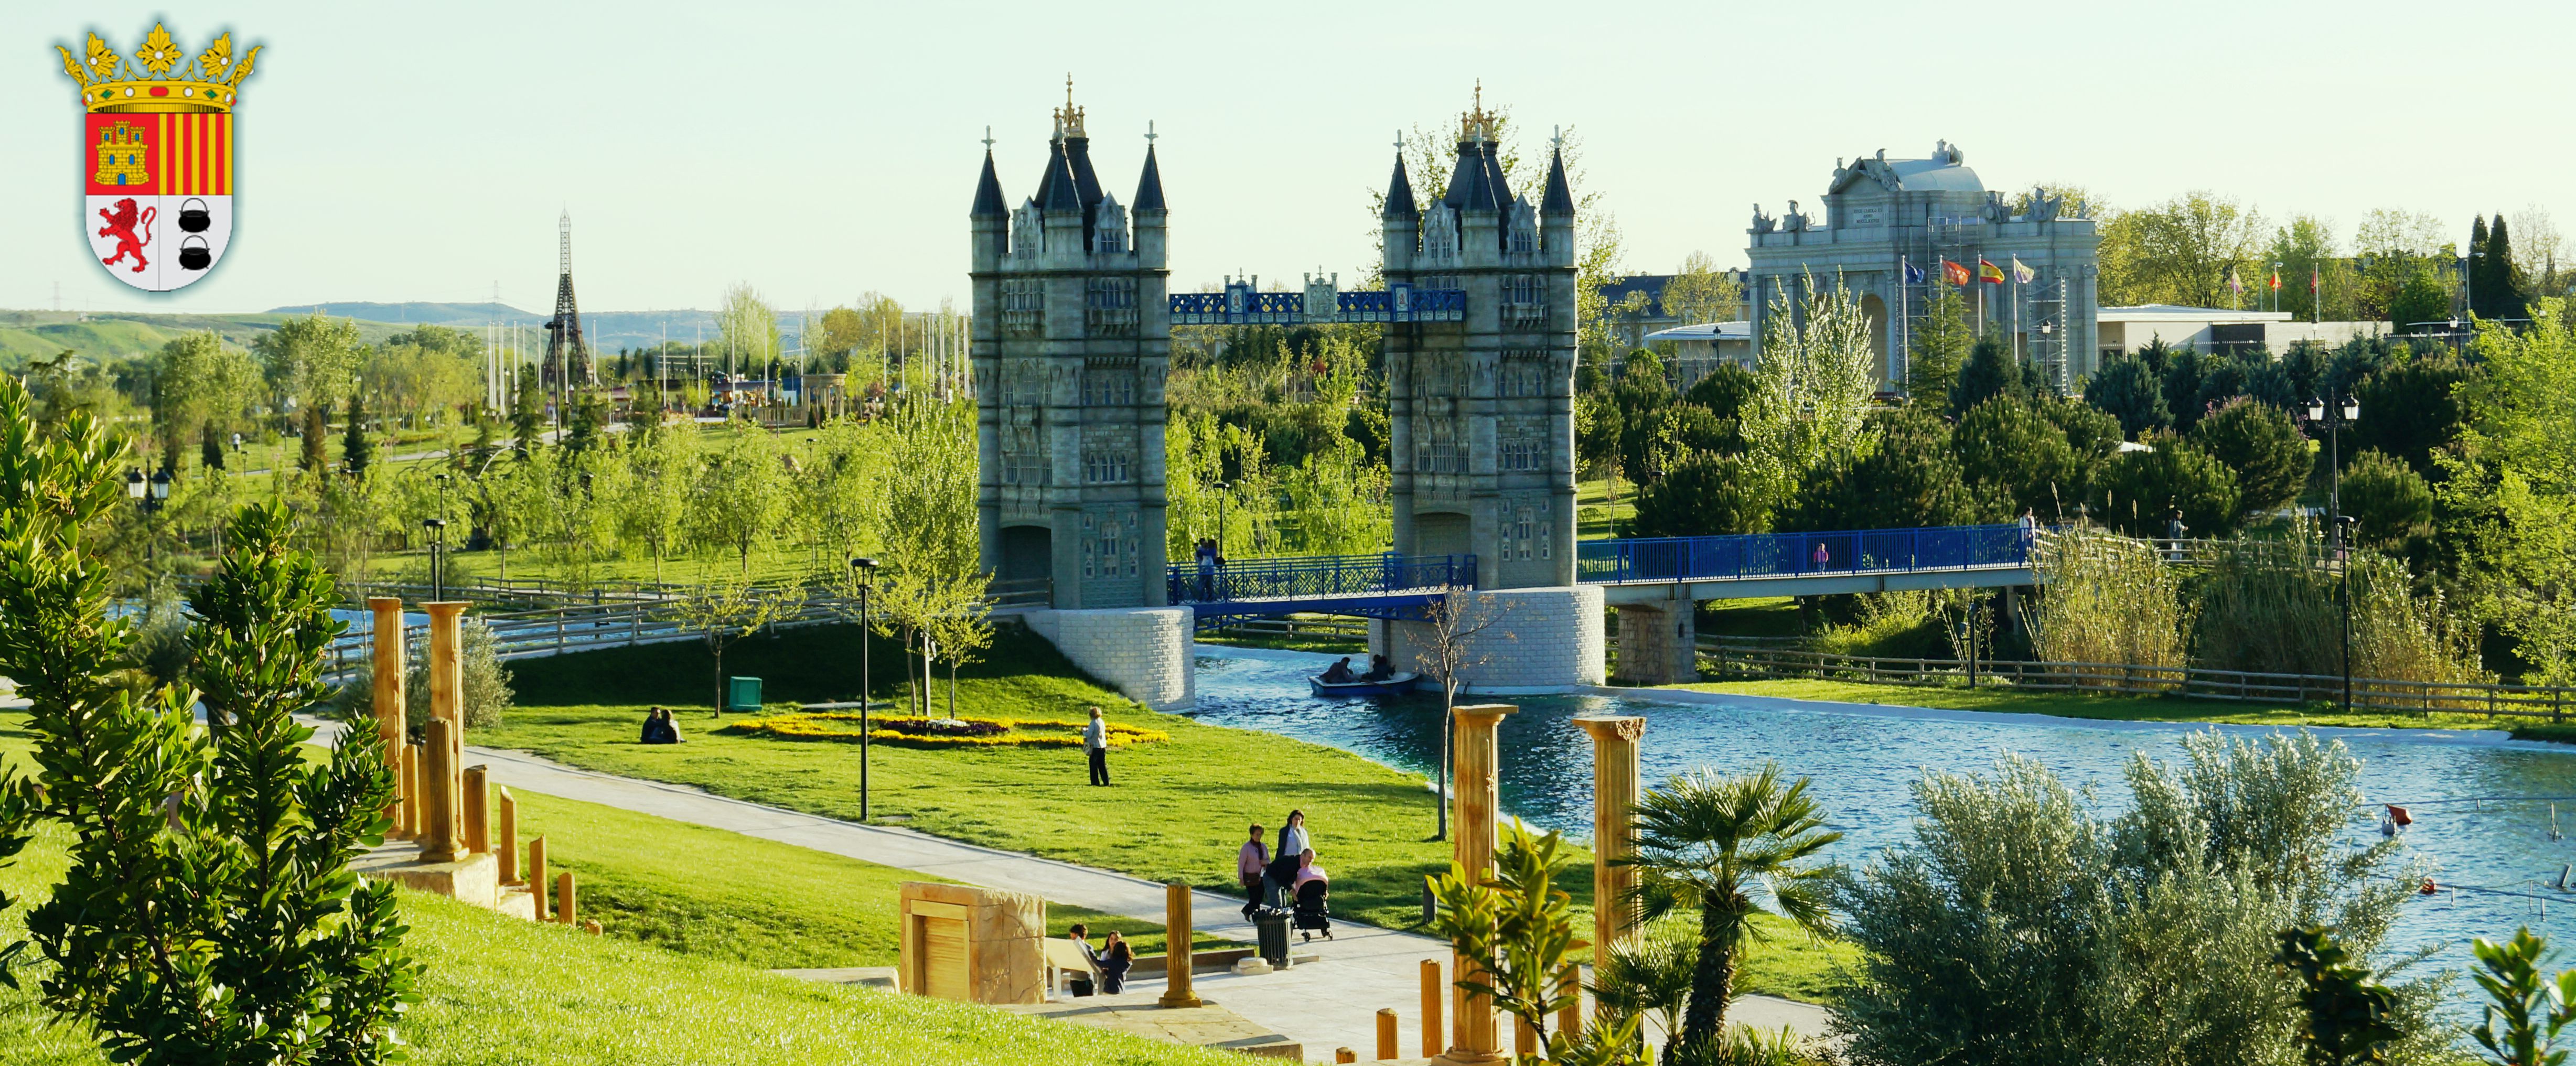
column 867, row 572
column 2344, row 410
column 437, row 528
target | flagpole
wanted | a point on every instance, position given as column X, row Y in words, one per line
column 1904, row 322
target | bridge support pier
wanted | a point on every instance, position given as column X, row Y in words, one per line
column 1658, row 642
column 1143, row 652
column 1527, row 640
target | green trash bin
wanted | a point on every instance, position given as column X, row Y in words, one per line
column 742, row 694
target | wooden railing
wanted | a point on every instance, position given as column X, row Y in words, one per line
column 1740, row 659
column 556, row 630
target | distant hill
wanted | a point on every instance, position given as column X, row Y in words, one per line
column 111, row 336
column 607, row 331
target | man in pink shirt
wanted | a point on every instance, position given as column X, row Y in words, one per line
column 1248, row 865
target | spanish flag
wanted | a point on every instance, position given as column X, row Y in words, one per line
column 1954, row 273
column 2276, row 281
column 1989, row 273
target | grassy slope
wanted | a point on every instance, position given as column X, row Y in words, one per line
column 1177, row 814
column 1596, row 515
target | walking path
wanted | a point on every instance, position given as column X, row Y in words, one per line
column 1323, row 1005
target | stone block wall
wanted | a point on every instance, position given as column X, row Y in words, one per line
column 1658, row 644
column 1143, row 652
column 1540, row 639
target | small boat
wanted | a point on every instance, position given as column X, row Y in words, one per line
column 1355, row 687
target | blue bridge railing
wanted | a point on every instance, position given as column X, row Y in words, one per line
column 1764, row 555
column 1311, row 577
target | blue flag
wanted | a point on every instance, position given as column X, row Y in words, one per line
column 1913, row 274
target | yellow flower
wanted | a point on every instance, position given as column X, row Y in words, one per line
column 159, row 54
column 102, row 59
column 217, row 56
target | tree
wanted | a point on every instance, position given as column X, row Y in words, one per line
column 1907, row 476
column 2409, row 410
column 1991, row 371
column 2257, row 442
column 588, row 415
column 210, row 448
column 2420, row 299
column 1815, row 381
column 1447, row 644
column 2513, row 482
column 1703, row 494
column 315, row 456
column 357, row 448
column 842, row 333
column 2008, row 450
column 2495, row 283
column 2527, row 1010
column 527, row 418
column 2388, row 502
column 1648, row 973
column 1726, row 849
column 2304, row 249
column 742, row 494
column 1517, row 929
column 748, row 329
column 207, row 915
column 1700, row 292
column 2142, row 489
column 723, row 608
column 2181, row 251
column 2130, row 391
column 312, row 360
column 1938, row 345
column 198, row 380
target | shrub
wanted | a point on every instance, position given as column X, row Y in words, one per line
column 2108, row 599
column 487, row 695
column 2262, row 448
column 2387, row 500
column 2020, row 927
column 2141, row 489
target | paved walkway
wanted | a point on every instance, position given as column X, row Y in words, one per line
column 1324, row 1005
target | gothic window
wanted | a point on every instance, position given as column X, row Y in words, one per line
column 1027, row 229
column 1439, row 235
column 1525, row 532
column 1440, row 375
column 1523, row 238
column 1525, row 301
column 1023, row 461
column 1110, row 556
column 1523, row 374
column 1109, row 226
column 1440, row 451
column 1109, row 307
column 1023, row 305
column 1090, row 547
column 1106, row 464
column 1109, row 386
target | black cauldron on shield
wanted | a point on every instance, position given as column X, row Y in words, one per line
column 193, row 253
column 193, row 216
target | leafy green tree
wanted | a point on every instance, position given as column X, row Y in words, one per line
column 1907, row 476
column 741, row 495
column 1991, row 371
column 2410, row 410
column 198, row 380
column 1705, row 493
column 2179, row 252
column 2141, row 490
column 1816, row 376
column 2526, row 1010
column 2013, row 454
column 1726, row 849
column 357, row 447
column 527, row 417
column 2389, row 503
column 2352, row 1018
column 723, row 608
column 315, row 456
column 210, row 448
column 2093, row 438
column 312, row 360
column 2304, row 248
column 1724, row 391
column 748, row 329
column 1700, row 292
column 2420, row 298
column 588, row 415
column 2513, row 481
column 2130, row 391
column 2495, row 284
column 1938, row 345
column 1514, row 925
column 208, row 914
column 2259, row 444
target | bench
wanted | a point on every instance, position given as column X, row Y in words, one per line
column 1063, row 957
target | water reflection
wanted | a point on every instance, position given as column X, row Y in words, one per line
column 2482, row 816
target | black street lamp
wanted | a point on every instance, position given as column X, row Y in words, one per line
column 2343, row 411
column 437, row 528
column 867, row 572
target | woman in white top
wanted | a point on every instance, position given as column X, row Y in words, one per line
column 1293, row 840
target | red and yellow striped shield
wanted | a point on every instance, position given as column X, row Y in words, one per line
column 160, row 195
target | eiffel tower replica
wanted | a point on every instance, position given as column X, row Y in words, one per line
column 568, row 363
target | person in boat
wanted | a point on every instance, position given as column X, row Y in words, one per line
column 1379, row 669
column 1340, row 672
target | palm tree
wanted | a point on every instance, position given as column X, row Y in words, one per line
column 1729, row 848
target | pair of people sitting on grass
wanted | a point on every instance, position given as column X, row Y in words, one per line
column 659, row 728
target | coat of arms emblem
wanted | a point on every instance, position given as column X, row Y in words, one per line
column 157, row 156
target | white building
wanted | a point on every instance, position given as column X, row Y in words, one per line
column 1697, row 349
column 2213, row 329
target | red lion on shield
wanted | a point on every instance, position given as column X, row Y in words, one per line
column 120, row 225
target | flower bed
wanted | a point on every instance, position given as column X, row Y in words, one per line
column 841, row 727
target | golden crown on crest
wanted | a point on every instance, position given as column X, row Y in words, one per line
column 159, row 77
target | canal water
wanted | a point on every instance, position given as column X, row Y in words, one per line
column 2482, row 817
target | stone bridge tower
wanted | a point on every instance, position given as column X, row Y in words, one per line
column 1483, row 410
column 1071, row 342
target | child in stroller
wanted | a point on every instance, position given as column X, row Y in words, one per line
column 1312, row 893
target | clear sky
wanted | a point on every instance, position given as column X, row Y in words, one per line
column 420, row 152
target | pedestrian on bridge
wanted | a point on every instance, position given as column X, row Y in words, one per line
column 1822, row 556
column 1207, row 569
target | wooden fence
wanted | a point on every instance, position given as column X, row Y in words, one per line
column 556, row 630
column 1741, row 659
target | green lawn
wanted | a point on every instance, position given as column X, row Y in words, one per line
column 504, row 991
column 1596, row 516
column 1177, row 814
column 2130, row 708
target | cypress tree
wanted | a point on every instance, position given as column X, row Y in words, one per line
column 2481, row 295
column 317, row 420
column 2504, row 283
column 356, row 448
column 210, row 448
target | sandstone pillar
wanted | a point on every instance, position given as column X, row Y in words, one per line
column 507, row 846
column 1614, row 802
column 1176, row 948
column 564, row 911
column 1476, row 803
column 409, row 774
column 447, row 661
column 478, row 805
column 1434, row 990
column 441, row 830
column 537, row 876
column 388, row 671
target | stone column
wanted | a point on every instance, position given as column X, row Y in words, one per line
column 388, row 670
column 1614, row 802
column 1476, row 802
column 441, row 831
column 1176, row 949
column 447, row 661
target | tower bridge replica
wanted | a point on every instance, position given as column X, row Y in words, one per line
column 1071, row 349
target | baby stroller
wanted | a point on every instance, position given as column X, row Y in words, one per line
column 1311, row 913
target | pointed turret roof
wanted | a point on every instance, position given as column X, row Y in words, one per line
column 1495, row 184
column 1149, row 186
column 1467, row 188
column 1063, row 190
column 1559, row 200
column 1399, row 193
column 1054, row 166
column 988, row 192
column 1077, row 154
